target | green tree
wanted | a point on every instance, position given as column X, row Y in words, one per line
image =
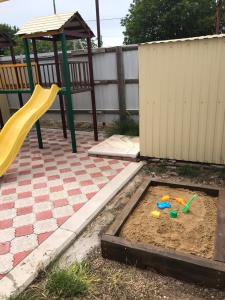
column 153, row 20
column 82, row 44
column 42, row 46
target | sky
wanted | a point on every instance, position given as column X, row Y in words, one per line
column 18, row 12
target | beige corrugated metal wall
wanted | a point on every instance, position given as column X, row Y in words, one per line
column 182, row 100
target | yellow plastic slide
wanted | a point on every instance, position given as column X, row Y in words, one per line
column 18, row 126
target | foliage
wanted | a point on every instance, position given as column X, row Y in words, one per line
column 60, row 284
column 188, row 171
column 42, row 46
column 125, row 127
column 69, row 282
column 9, row 30
column 24, row 296
column 153, row 20
column 158, row 168
column 82, row 44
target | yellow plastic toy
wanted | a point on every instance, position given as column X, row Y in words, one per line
column 165, row 198
column 155, row 214
column 180, row 201
column 18, row 126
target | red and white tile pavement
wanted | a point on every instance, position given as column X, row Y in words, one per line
column 43, row 188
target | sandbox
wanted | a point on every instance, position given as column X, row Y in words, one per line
column 190, row 247
column 192, row 233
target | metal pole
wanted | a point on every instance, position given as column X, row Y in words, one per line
column 69, row 104
column 54, row 6
column 30, row 76
column 218, row 16
column 98, row 24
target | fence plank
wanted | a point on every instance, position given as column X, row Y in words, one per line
column 121, row 83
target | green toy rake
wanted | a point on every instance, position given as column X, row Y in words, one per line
column 186, row 208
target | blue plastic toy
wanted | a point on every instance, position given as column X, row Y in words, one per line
column 163, row 205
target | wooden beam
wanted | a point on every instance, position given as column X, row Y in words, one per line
column 17, row 75
column 75, row 34
column 1, row 120
column 220, row 228
column 98, row 24
column 42, row 34
column 36, row 60
column 91, row 74
column 30, row 75
column 42, row 38
column 182, row 266
column 69, row 103
column 61, row 102
column 121, row 83
column 133, row 202
column 218, row 16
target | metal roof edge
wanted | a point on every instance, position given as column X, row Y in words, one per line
column 184, row 39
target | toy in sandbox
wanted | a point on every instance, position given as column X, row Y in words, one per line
column 186, row 208
column 163, row 205
column 64, row 76
column 173, row 213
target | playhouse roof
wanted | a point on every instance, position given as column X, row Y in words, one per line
column 5, row 41
column 72, row 24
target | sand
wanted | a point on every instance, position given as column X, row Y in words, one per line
column 192, row 233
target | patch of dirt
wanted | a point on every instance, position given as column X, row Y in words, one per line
column 116, row 281
column 192, row 233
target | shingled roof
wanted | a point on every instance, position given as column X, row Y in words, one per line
column 72, row 24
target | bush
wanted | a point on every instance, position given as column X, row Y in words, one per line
column 188, row 171
column 125, row 127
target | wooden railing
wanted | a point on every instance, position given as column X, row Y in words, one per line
column 79, row 75
column 15, row 77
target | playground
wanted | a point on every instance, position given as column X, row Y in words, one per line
column 55, row 184
column 50, row 187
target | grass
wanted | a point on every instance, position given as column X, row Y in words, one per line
column 220, row 173
column 70, row 282
column 59, row 283
column 158, row 169
column 125, row 127
column 188, row 171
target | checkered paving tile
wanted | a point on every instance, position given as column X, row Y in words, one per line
column 43, row 188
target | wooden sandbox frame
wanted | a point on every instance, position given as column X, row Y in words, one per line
column 187, row 267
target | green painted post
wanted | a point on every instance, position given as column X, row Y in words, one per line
column 69, row 104
column 31, row 82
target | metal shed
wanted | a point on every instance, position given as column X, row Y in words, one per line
column 182, row 99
